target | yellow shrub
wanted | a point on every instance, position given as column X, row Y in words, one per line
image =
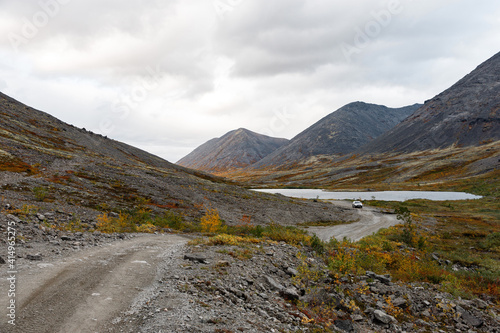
column 122, row 223
column 105, row 224
column 211, row 221
column 146, row 228
column 225, row 239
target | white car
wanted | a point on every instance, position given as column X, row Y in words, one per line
column 357, row 204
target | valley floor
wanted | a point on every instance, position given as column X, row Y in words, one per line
column 369, row 220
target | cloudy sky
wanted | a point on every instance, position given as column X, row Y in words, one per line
column 168, row 75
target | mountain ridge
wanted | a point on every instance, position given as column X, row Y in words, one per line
column 234, row 150
column 466, row 114
column 339, row 133
column 88, row 174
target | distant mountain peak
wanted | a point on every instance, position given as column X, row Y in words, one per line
column 236, row 149
column 339, row 133
column 466, row 114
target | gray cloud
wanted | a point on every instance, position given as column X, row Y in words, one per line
column 169, row 75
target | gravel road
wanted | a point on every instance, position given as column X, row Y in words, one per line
column 90, row 290
column 104, row 288
column 370, row 220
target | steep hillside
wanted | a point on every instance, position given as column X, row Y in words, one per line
column 234, row 150
column 339, row 133
column 44, row 161
column 467, row 114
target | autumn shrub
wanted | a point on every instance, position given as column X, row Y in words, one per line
column 343, row 260
column 169, row 220
column 147, row 228
column 317, row 244
column 225, row 239
column 122, row 223
column 40, row 193
column 404, row 215
column 211, row 221
column 286, row 234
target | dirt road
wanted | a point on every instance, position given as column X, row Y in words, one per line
column 370, row 221
column 103, row 289
column 89, row 291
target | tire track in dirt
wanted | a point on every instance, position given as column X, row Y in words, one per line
column 86, row 292
column 370, row 220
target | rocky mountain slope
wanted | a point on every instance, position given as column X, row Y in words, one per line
column 234, row 150
column 466, row 114
column 57, row 166
column 339, row 133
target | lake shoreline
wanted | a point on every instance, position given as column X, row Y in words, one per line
column 371, row 195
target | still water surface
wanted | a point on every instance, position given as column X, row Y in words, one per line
column 384, row 195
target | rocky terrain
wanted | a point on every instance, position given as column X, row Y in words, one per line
column 452, row 137
column 61, row 167
column 213, row 286
column 234, row 150
column 466, row 114
column 340, row 133
column 58, row 183
column 435, row 169
column 258, row 288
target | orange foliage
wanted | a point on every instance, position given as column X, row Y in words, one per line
column 211, row 221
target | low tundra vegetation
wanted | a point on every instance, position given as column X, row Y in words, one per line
column 459, row 250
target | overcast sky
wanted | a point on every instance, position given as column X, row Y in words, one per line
column 167, row 75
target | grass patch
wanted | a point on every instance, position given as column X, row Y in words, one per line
column 324, row 223
column 141, row 220
column 466, row 232
column 40, row 193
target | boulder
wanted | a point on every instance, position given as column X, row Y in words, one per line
column 383, row 317
column 289, row 294
column 273, row 284
column 195, row 258
column 344, row 325
column 385, row 279
column 468, row 318
column 35, row 257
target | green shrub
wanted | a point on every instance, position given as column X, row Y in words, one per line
column 168, row 220
column 317, row 244
column 491, row 242
column 404, row 215
column 40, row 193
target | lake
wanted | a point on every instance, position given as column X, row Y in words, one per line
column 383, row 195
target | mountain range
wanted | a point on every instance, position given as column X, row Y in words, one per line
column 339, row 133
column 86, row 174
column 234, row 150
column 466, row 114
